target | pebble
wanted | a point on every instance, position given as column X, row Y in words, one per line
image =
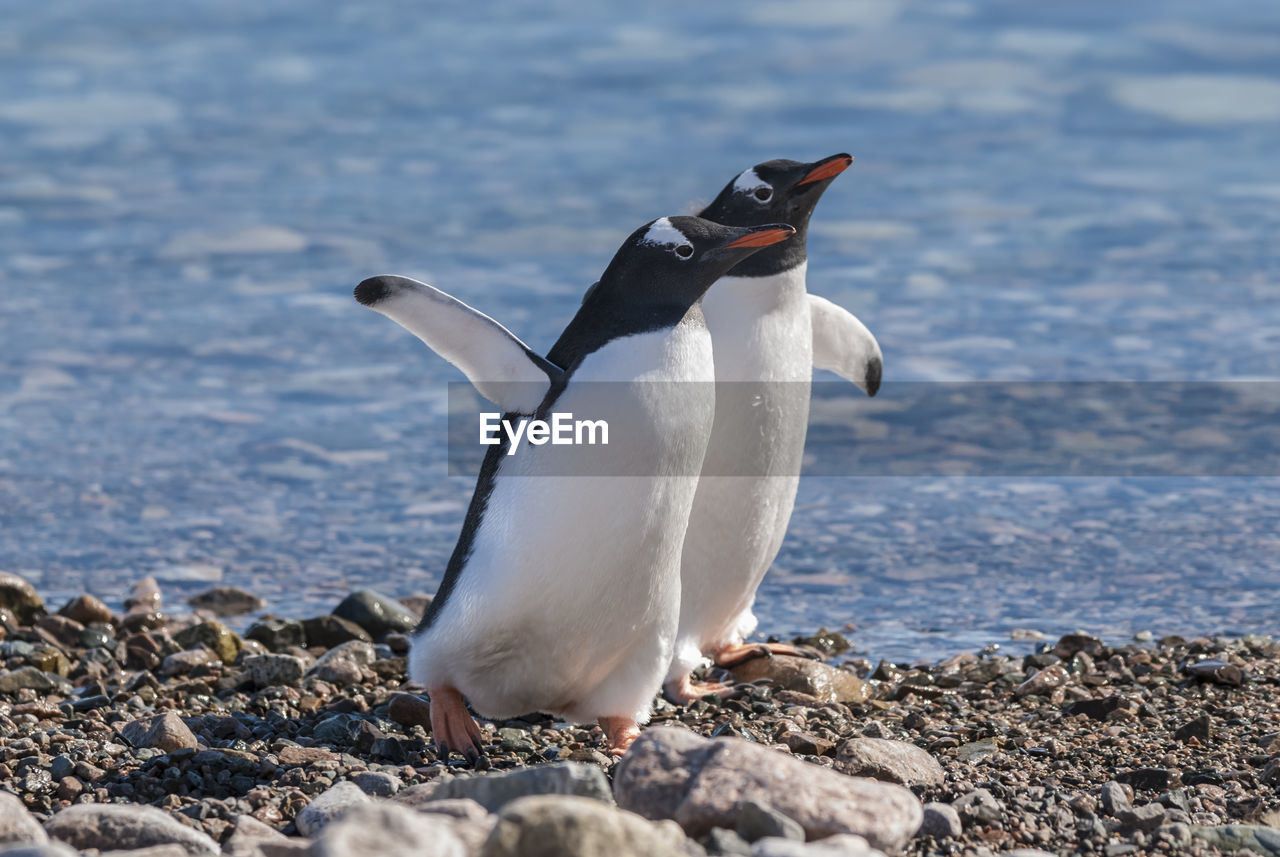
column 756, row 821
column 17, row 824
column 331, row 805
column 494, row 791
column 86, row 610
column 377, row 783
column 376, row 613
column 409, row 710
column 19, row 597
column 227, row 601
column 382, row 829
column 329, row 631
column 558, row 825
column 940, row 820
column 814, row 678
column 892, row 761
column 271, row 670
column 701, row 784
column 114, row 827
column 165, row 732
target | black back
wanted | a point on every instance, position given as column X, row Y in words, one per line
column 786, row 201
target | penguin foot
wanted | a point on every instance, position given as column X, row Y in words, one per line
column 732, row 656
column 452, row 728
column 686, row 690
column 619, row 733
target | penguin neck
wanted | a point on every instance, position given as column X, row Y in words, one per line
column 756, row 295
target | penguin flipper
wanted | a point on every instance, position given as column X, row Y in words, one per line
column 501, row 367
column 844, row 345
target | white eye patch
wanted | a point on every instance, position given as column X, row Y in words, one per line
column 748, row 182
column 662, row 232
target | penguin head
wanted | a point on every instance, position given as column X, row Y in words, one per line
column 778, row 191
column 672, row 261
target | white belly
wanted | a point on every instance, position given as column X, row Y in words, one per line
column 762, row 336
column 570, row 599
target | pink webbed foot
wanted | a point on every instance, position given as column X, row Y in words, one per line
column 619, row 733
column 453, row 729
column 686, row 690
column 731, row 656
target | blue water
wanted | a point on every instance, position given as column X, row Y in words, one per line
column 188, row 192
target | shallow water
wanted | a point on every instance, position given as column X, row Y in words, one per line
column 1069, row 192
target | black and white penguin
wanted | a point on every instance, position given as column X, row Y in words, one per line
column 768, row 333
column 562, row 594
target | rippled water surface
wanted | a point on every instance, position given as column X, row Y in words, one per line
column 1068, row 192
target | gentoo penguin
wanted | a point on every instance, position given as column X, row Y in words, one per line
column 562, row 594
column 768, row 333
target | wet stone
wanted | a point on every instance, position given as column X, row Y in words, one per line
column 1216, row 672
column 1201, row 728
column 227, row 601
column 20, row 597
column 277, row 634
column 819, row 680
column 376, row 613
column 329, row 631
column 27, row 677
column 215, row 636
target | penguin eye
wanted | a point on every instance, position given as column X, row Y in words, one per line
column 684, row 251
column 764, row 194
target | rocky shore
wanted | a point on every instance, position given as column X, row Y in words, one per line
column 161, row 732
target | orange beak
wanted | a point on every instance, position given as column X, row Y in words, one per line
column 763, row 238
column 827, row 169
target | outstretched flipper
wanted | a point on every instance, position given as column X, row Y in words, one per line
column 843, row 345
column 500, row 366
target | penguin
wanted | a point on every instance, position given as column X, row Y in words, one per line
column 562, row 593
column 767, row 333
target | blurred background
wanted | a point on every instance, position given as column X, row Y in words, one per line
column 188, row 193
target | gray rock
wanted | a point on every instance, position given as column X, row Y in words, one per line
column 387, row 830
column 165, row 732
column 757, row 822
column 377, row 783
column 1217, row 672
column 357, row 652
column 672, row 773
column 27, row 677
column 1115, row 799
column 376, row 613
column 1044, row 681
column 409, row 710
column 1234, row 837
column 19, row 596
column 558, row 825
column 842, row 845
column 978, row 806
column 941, row 821
column 721, row 841
column 471, row 823
column 892, row 761
column 494, row 791
column 338, row 673
column 49, row 849
column 419, row 795
column 181, row 663
column 248, row 835
column 330, row 631
column 277, row 634
column 1146, row 818
column 805, row 676
column 272, row 670
column 332, row 804
column 214, row 636
column 169, row 850
column 115, row 827
column 16, row 824
column 227, row 601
